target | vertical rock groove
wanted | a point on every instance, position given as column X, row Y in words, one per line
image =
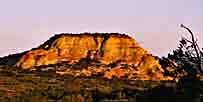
column 101, row 49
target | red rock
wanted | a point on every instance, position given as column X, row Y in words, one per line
column 105, row 48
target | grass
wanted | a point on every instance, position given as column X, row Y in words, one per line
column 45, row 86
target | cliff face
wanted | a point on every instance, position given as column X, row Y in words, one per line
column 106, row 48
column 103, row 48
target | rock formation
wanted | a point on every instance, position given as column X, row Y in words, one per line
column 125, row 55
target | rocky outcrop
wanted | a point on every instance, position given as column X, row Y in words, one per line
column 107, row 49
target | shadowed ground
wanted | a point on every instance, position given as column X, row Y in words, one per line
column 46, row 86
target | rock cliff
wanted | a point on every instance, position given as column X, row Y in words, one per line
column 120, row 55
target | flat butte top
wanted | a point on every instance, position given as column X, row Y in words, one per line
column 106, row 48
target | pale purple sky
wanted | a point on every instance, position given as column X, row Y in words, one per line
column 25, row 24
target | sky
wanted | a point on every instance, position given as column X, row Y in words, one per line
column 155, row 24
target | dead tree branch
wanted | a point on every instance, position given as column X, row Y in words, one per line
column 195, row 45
column 193, row 41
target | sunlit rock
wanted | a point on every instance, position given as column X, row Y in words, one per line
column 109, row 51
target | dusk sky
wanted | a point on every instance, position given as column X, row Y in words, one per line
column 155, row 24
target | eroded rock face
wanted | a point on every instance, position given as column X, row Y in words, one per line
column 109, row 48
column 104, row 48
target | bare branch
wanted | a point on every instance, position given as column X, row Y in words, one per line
column 194, row 45
column 193, row 40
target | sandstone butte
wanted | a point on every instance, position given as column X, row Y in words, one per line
column 104, row 48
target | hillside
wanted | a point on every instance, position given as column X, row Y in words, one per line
column 109, row 55
column 94, row 67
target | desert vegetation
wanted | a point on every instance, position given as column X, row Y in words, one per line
column 174, row 78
